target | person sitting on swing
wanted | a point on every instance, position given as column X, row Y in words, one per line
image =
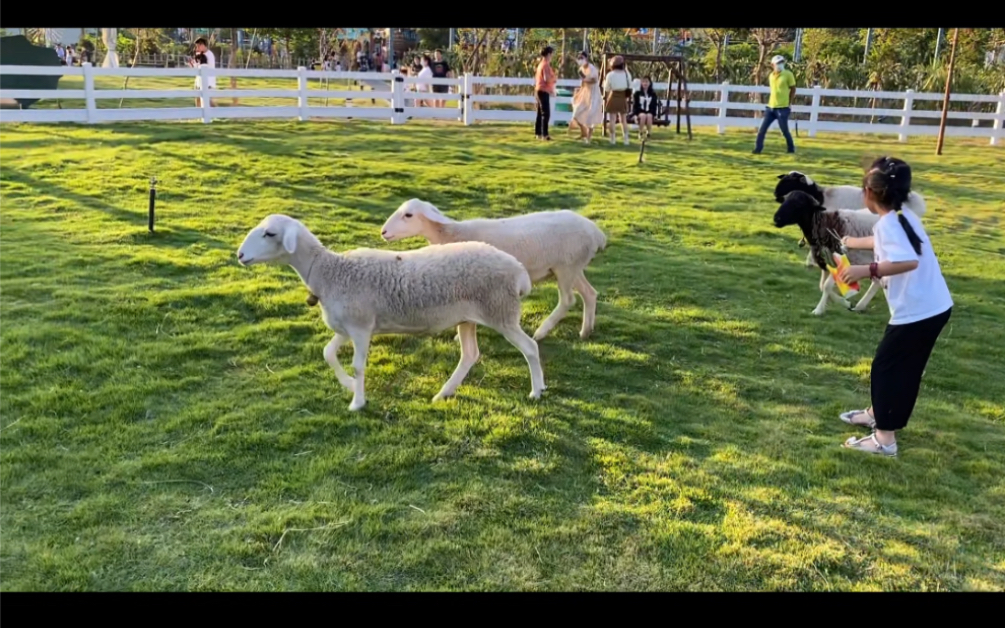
column 645, row 107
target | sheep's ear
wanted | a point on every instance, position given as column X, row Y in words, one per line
column 782, row 176
column 429, row 212
column 290, row 239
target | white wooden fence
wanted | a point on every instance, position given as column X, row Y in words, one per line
column 468, row 103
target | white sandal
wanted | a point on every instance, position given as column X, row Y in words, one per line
column 871, row 445
column 849, row 418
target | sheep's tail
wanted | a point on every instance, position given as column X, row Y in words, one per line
column 916, row 203
column 598, row 237
column 523, row 282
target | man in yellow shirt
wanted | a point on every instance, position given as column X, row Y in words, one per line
column 783, row 90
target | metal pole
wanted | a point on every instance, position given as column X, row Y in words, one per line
column 451, row 38
column 390, row 48
column 153, row 200
column 868, row 44
column 938, row 45
column 656, row 37
column 945, row 100
column 797, row 55
column 516, row 43
column 586, row 40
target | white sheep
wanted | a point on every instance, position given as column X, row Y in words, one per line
column 835, row 197
column 367, row 292
column 560, row 243
column 823, row 229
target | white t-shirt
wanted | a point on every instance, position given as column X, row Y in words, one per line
column 425, row 72
column 210, row 63
column 617, row 81
column 918, row 294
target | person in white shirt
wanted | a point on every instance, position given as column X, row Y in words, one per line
column 209, row 60
column 617, row 94
column 425, row 73
column 919, row 300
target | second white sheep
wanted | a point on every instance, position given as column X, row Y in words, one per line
column 560, row 243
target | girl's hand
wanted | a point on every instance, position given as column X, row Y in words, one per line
column 851, row 274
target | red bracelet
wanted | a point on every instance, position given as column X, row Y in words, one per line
column 874, row 270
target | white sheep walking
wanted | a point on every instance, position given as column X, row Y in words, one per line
column 367, row 292
column 560, row 243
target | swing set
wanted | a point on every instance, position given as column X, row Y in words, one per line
column 676, row 69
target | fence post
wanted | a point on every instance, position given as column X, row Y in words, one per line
column 397, row 97
column 204, row 94
column 814, row 110
column 92, row 108
column 466, row 93
column 302, row 93
column 723, row 106
column 905, row 120
column 999, row 118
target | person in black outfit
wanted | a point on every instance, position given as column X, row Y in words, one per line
column 645, row 107
column 441, row 69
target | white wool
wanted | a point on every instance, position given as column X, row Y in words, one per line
column 367, row 292
column 560, row 243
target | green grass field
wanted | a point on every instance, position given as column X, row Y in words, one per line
column 169, row 423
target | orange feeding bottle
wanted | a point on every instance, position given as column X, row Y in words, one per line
column 841, row 262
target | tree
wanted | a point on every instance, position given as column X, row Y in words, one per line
column 719, row 37
column 767, row 40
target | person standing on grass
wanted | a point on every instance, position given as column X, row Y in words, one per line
column 588, row 102
column 207, row 59
column 617, row 92
column 425, row 72
column 441, row 69
column 544, row 90
column 783, row 89
column 919, row 301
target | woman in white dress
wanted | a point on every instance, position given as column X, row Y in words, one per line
column 587, row 104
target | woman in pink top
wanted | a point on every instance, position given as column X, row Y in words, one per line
column 544, row 87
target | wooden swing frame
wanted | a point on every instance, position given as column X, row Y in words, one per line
column 676, row 69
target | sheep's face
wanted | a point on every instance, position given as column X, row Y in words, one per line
column 795, row 208
column 273, row 240
column 409, row 220
column 792, row 182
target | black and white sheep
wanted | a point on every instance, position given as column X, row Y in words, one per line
column 823, row 229
column 834, row 197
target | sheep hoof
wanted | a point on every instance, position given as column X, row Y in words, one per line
column 535, row 394
column 356, row 406
column 818, row 311
column 441, row 396
column 312, row 300
column 540, row 335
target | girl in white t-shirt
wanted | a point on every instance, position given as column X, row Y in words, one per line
column 919, row 300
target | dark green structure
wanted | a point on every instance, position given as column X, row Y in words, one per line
column 17, row 50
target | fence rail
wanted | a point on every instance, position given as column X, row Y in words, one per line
column 398, row 98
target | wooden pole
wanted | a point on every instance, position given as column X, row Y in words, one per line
column 945, row 100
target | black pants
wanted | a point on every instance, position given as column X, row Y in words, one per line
column 898, row 366
column 543, row 114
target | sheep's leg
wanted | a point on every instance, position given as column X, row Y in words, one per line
column 528, row 347
column 869, row 294
column 331, row 357
column 566, row 299
column 467, row 333
column 824, row 296
column 589, row 294
column 360, row 350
